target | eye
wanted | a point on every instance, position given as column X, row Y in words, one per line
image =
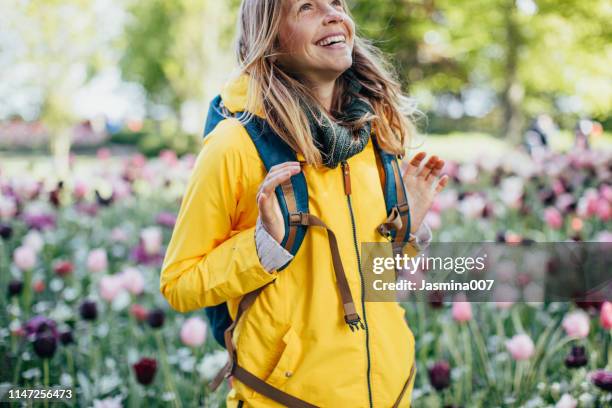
column 304, row 7
column 337, row 3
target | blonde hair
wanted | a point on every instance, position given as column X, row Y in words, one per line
column 280, row 94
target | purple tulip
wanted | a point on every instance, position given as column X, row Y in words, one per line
column 15, row 287
column 602, row 379
column 166, row 219
column 66, row 337
column 39, row 325
column 45, row 345
column 6, row 231
column 88, row 310
column 39, row 221
column 156, row 318
column 140, row 255
column 439, row 375
column 576, row 358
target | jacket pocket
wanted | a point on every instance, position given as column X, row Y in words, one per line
column 288, row 361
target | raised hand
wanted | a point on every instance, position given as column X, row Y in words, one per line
column 422, row 185
column 269, row 209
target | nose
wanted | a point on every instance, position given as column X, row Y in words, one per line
column 333, row 16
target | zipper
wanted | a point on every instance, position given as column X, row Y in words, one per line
column 347, row 190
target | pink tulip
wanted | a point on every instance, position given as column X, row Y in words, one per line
column 605, row 316
column 587, row 205
column 566, row 401
column 468, row 173
column 8, row 208
column 152, row 240
column 119, row 235
column 97, row 260
column 121, row 189
column 604, row 209
column 462, row 311
column 553, row 218
column 558, row 187
column 169, row 157
column 193, row 332
column 603, row 236
column 606, row 192
column 472, row 206
column 34, row 240
column 132, row 280
column 445, row 200
column 80, row 189
column 110, row 287
column 512, row 191
column 521, row 347
column 24, row 257
column 103, row 153
column 577, row 324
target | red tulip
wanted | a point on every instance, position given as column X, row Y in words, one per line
column 145, row 370
column 605, row 317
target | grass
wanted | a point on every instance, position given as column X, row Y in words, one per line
column 465, row 147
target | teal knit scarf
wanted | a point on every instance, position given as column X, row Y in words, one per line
column 336, row 142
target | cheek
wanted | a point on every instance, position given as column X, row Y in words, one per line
column 291, row 39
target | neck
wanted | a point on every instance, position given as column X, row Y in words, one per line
column 324, row 92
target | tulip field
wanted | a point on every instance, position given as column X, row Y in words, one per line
column 80, row 305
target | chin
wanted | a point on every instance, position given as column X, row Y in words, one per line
column 340, row 66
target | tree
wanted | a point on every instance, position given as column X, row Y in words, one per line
column 532, row 53
column 58, row 46
column 177, row 50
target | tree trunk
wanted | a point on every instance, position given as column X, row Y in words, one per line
column 60, row 149
column 514, row 92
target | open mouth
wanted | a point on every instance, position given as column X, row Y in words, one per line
column 332, row 41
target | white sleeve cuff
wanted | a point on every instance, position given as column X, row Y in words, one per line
column 271, row 254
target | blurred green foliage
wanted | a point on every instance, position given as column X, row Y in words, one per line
column 535, row 55
column 472, row 65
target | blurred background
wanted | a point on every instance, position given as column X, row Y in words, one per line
column 102, row 105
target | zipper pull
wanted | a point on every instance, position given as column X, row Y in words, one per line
column 346, row 171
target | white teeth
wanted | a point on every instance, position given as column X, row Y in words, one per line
column 329, row 40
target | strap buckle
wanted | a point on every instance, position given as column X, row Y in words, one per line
column 385, row 232
column 403, row 208
column 298, row 218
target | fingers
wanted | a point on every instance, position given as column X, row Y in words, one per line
column 277, row 175
column 436, row 170
column 427, row 171
column 413, row 165
column 428, row 167
column 442, row 183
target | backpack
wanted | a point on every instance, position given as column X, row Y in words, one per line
column 293, row 201
column 273, row 150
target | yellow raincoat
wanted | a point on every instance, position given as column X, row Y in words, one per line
column 294, row 336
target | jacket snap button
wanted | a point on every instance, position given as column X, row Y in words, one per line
column 288, row 373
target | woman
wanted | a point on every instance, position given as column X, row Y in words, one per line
column 302, row 69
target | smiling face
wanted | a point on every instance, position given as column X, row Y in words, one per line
column 316, row 39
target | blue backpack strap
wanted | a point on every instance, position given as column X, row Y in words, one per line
column 397, row 226
column 293, row 195
column 272, row 150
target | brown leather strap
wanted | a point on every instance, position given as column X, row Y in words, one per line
column 402, row 202
column 287, row 188
column 405, row 387
column 246, row 302
column 269, row 391
column 351, row 317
